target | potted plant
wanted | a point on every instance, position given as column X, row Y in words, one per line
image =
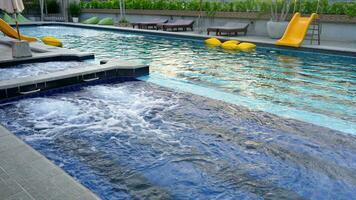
column 279, row 13
column 74, row 11
column 123, row 22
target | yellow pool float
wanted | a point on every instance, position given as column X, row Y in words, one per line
column 52, row 41
column 246, row 46
column 213, row 42
column 230, row 45
column 232, row 42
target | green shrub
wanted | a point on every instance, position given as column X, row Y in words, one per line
column 74, row 9
column 350, row 9
column 337, row 8
column 31, row 7
column 52, row 6
column 263, row 6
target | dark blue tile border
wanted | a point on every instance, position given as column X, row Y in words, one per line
column 60, row 88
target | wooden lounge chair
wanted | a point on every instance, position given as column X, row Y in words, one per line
column 176, row 25
column 149, row 24
column 229, row 28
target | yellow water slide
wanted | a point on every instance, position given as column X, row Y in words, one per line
column 11, row 32
column 296, row 30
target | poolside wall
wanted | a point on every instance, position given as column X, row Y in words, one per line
column 334, row 31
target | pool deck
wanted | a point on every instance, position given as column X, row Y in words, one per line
column 27, row 175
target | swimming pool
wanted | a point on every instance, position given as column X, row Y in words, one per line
column 137, row 140
column 311, row 87
column 34, row 69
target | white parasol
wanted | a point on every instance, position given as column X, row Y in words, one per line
column 14, row 7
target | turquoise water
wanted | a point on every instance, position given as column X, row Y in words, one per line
column 316, row 88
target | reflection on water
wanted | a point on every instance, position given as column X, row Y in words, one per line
column 312, row 82
column 139, row 141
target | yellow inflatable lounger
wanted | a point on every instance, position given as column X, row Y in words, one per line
column 230, row 45
column 232, row 42
column 235, row 45
column 246, row 46
column 52, row 41
column 11, row 32
column 213, row 42
column 296, row 30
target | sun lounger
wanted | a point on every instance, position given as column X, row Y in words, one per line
column 92, row 20
column 149, row 24
column 22, row 19
column 8, row 19
column 229, row 28
column 106, row 21
column 176, row 25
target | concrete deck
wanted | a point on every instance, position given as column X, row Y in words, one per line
column 27, row 175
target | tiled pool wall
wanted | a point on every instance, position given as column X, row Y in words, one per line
column 113, row 70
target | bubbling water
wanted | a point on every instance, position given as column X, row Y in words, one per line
column 34, row 69
column 137, row 140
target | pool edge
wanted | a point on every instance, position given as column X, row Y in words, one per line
column 19, row 162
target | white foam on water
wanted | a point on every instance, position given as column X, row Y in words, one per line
column 34, row 69
column 127, row 110
column 49, row 108
column 120, row 110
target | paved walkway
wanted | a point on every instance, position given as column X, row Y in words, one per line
column 27, row 175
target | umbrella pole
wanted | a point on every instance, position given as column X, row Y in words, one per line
column 17, row 23
column 17, row 27
column 200, row 16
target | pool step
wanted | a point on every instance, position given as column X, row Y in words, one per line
column 113, row 70
column 26, row 174
column 40, row 53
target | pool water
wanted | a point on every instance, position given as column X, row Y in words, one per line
column 137, row 140
column 34, row 69
column 311, row 87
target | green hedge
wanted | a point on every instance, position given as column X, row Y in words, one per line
column 304, row 6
